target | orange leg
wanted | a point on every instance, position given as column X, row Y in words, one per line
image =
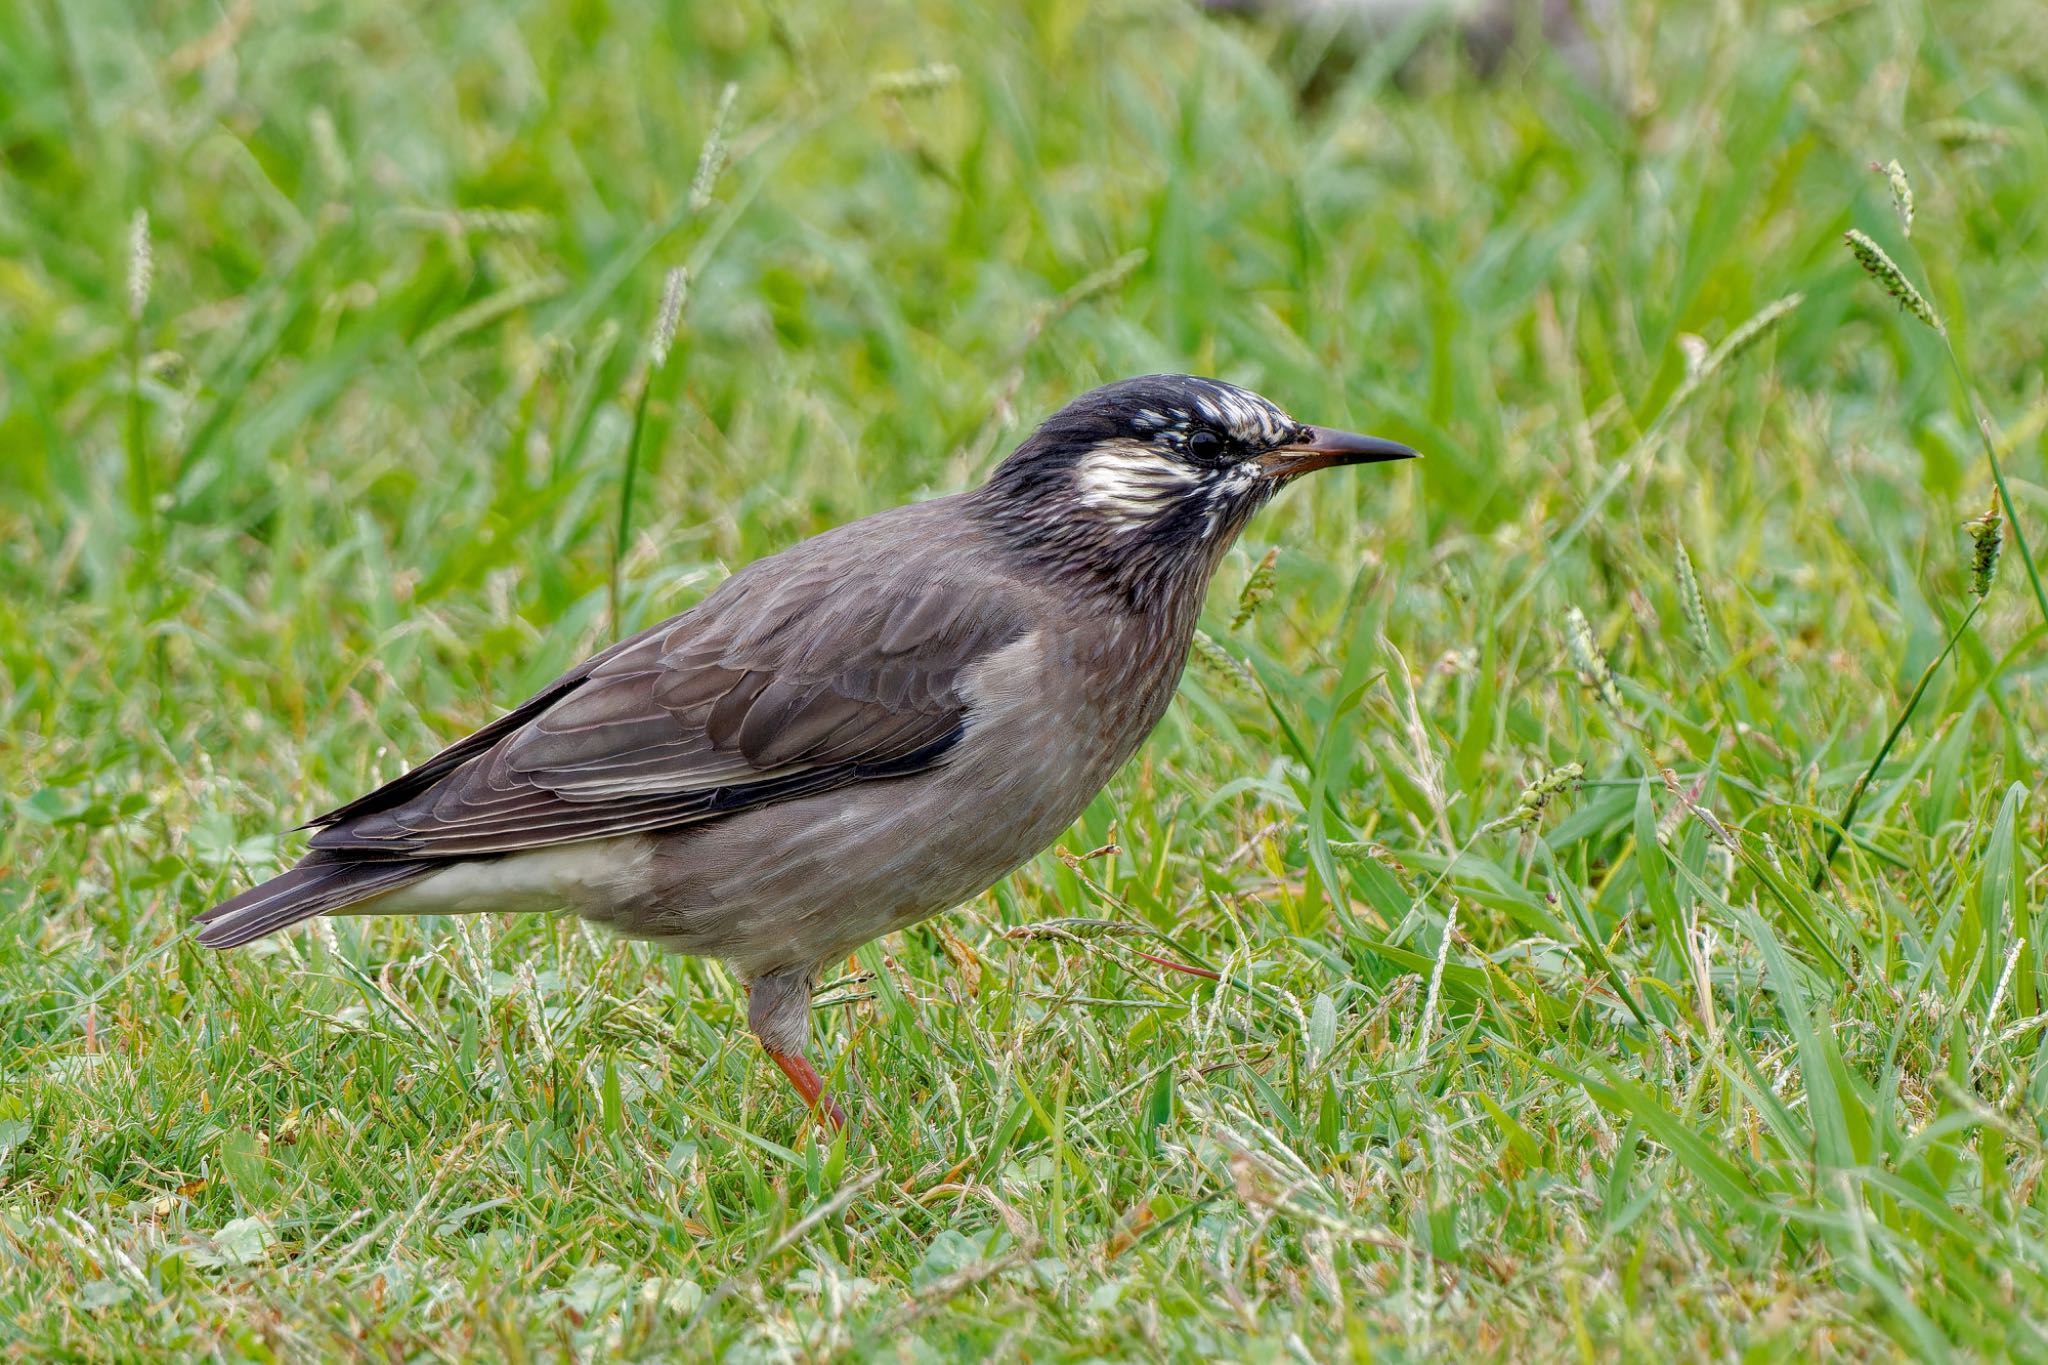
column 810, row 1085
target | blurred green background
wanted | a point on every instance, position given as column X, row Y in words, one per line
column 322, row 330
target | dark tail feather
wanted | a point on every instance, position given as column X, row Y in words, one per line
column 315, row 887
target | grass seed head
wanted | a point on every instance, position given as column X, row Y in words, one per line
column 673, row 291
column 1701, row 363
column 1744, row 338
column 920, row 80
column 711, row 160
column 1588, row 660
column 1959, row 133
column 1257, row 588
column 1377, row 852
column 1104, row 280
column 1986, row 538
column 1690, row 602
column 1902, row 192
column 141, row 264
column 1220, row 664
column 1881, row 267
column 1538, row 795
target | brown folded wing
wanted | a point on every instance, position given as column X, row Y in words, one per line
column 795, row 677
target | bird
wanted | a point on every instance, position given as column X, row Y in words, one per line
column 870, row 727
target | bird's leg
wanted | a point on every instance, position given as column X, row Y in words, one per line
column 779, row 1013
column 810, row 1085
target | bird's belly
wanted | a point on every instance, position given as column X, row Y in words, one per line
column 798, row 883
column 586, row 876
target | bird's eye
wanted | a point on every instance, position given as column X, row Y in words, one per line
column 1205, row 447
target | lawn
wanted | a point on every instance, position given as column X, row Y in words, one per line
column 324, row 352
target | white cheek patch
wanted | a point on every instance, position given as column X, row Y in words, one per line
column 1130, row 483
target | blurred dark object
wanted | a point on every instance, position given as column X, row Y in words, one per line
column 1487, row 33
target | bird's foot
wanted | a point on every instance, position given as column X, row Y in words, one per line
column 810, row 1085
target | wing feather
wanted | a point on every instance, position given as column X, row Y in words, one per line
column 797, row 676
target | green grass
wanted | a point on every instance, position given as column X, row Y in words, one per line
column 352, row 481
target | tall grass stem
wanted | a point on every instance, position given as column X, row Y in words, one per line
column 1856, row 793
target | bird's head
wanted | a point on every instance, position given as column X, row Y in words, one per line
column 1146, row 482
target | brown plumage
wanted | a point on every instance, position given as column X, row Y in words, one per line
column 844, row 738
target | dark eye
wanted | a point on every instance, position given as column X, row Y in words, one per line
column 1205, row 447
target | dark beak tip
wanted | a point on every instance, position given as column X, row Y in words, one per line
column 1349, row 447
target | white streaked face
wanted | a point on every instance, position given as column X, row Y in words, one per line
column 1198, row 454
column 1129, row 482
